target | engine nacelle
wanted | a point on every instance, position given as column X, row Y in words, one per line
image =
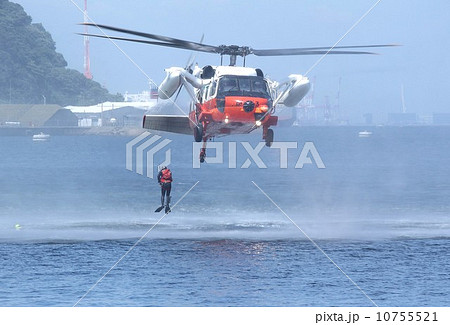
column 171, row 83
column 297, row 88
column 174, row 79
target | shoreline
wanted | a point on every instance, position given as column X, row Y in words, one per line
column 135, row 131
column 76, row 130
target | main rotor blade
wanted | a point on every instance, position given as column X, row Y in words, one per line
column 142, row 41
column 167, row 40
column 279, row 52
column 191, row 59
column 188, row 68
column 232, row 50
column 314, row 50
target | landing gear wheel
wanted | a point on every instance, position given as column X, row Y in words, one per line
column 269, row 137
column 198, row 132
column 202, row 155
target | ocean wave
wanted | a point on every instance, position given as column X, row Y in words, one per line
column 236, row 225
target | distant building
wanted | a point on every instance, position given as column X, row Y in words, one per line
column 441, row 118
column 402, row 119
column 112, row 113
column 425, row 119
column 144, row 96
column 36, row 116
column 368, row 119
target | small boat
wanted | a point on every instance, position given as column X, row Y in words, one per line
column 41, row 137
column 364, row 134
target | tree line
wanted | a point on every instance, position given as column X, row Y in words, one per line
column 32, row 72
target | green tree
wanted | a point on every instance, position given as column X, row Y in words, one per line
column 30, row 67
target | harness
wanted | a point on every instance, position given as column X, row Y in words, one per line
column 166, row 176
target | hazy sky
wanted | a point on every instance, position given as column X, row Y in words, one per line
column 368, row 83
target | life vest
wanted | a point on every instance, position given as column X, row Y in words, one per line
column 166, row 176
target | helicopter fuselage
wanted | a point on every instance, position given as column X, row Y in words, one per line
column 234, row 100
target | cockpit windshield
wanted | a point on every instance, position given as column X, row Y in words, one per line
column 251, row 86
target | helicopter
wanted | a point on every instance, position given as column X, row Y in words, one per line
column 226, row 99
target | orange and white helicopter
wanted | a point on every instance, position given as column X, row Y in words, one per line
column 226, row 99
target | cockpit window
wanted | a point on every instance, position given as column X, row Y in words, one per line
column 212, row 90
column 251, row 86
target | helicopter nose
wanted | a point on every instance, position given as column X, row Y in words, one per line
column 249, row 106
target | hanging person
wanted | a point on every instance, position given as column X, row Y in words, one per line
column 165, row 181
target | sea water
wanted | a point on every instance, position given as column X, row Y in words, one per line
column 371, row 228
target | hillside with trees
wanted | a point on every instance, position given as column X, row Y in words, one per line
column 31, row 69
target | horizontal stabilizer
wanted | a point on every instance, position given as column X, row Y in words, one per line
column 168, row 123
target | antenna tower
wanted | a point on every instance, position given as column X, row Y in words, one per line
column 87, row 64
